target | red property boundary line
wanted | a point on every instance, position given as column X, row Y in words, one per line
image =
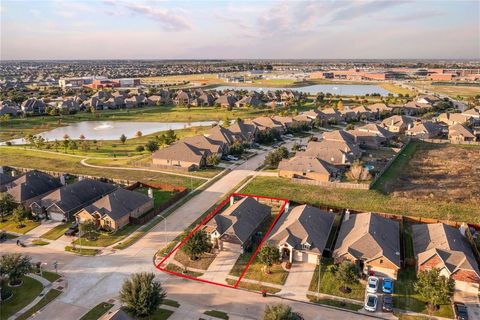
column 204, row 221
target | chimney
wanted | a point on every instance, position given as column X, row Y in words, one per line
column 344, row 158
column 462, row 229
column 232, row 200
column 392, row 122
column 346, row 217
column 150, row 193
column 62, row 179
column 409, row 126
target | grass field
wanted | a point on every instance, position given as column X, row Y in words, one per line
column 49, row 297
column 253, row 286
column 59, row 162
column 105, row 239
column 174, row 268
column 395, row 89
column 22, row 296
column 96, row 312
column 83, row 252
column 335, row 303
column 9, row 225
column 361, row 200
column 51, row 276
column 217, row 314
column 452, row 91
column 56, row 232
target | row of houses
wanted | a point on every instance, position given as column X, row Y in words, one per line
column 109, row 206
column 369, row 240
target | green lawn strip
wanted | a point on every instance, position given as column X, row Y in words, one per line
column 253, row 286
column 56, row 232
column 82, row 251
column 202, row 263
column 96, row 312
column 217, row 314
column 9, row 225
column 39, row 242
column 159, row 196
column 330, row 285
column 403, row 316
column 171, row 303
column 49, row 297
column 174, row 268
column 361, row 200
column 51, row 276
column 22, row 296
column 159, row 314
column 406, row 298
column 17, row 157
column 334, row 303
column 105, row 239
column 11, row 236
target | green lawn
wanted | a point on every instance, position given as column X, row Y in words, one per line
column 406, row 298
column 96, row 312
column 361, row 200
column 171, row 303
column 105, row 239
column 84, row 252
column 160, row 314
column 159, row 196
column 17, row 157
column 177, row 269
column 253, row 286
column 56, row 232
column 335, row 303
column 217, row 314
column 22, row 296
column 49, row 297
column 51, row 276
column 9, row 225
column 329, row 284
column 39, row 242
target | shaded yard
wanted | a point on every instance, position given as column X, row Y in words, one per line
column 9, row 225
column 22, row 296
column 203, row 261
column 105, row 239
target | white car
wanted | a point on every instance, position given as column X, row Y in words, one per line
column 232, row 158
column 371, row 302
column 372, row 284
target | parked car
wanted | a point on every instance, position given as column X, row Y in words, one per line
column 387, row 305
column 72, row 230
column 371, row 302
column 289, row 135
column 372, row 284
column 225, row 158
column 232, row 158
column 387, row 285
column 461, row 311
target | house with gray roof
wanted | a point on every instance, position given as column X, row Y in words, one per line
column 238, row 223
column 180, row 155
column 424, row 130
column 301, row 235
column 445, row 248
column 244, row 132
column 370, row 241
column 63, row 203
column 303, row 166
column 33, row 106
column 337, row 153
column 32, row 186
column 113, row 211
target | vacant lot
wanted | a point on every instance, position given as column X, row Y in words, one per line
column 449, row 90
column 436, row 171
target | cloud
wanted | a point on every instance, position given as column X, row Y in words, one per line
column 359, row 9
column 169, row 19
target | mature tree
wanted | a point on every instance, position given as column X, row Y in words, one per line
column 197, row 244
column 213, row 159
column 273, row 158
column 56, row 144
column 151, row 145
column 340, row 105
column 346, row 274
column 89, row 229
column 268, row 255
column 5, row 290
column 82, row 137
column 138, row 134
column 139, row 148
column 14, row 266
column 280, row 312
column 167, row 138
column 358, row 172
column 20, row 214
column 237, row 148
column 72, row 145
column 7, row 204
column 123, row 138
column 142, row 294
column 434, row 288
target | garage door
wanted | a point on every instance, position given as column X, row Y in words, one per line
column 299, row 256
column 383, row 272
column 312, row 258
column 56, row 216
column 466, row 286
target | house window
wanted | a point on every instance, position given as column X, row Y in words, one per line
column 381, row 261
column 306, row 246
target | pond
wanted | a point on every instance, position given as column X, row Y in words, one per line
column 340, row 89
column 112, row 130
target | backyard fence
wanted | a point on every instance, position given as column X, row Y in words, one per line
column 333, row 184
column 444, row 141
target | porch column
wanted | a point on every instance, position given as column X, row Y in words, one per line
column 291, row 255
column 280, row 249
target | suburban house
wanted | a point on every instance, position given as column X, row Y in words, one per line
column 412, row 108
column 379, row 109
column 221, row 134
column 243, row 131
column 238, row 223
column 445, row 248
column 5, row 181
column 113, row 211
column 252, row 101
column 180, row 154
column 268, row 123
column 371, row 135
column 474, row 113
column 397, row 123
column 207, row 144
column 337, row 153
column 307, row 167
column 428, row 99
column 227, row 101
column 63, row 203
column 301, row 235
column 451, row 119
column 371, row 242
column 33, row 106
column 32, row 186
column 459, row 133
column 424, row 130
column 329, row 115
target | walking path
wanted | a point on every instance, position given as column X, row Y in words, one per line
column 47, row 285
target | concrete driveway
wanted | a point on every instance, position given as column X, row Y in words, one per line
column 471, row 301
column 223, row 263
column 298, row 281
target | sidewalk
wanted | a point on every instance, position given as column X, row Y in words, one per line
column 47, row 285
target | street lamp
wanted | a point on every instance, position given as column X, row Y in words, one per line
column 41, row 270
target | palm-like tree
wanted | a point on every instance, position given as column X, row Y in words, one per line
column 280, row 312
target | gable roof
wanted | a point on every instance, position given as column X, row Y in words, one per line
column 304, row 225
column 333, row 151
column 367, row 236
column 32, row 184
column 241, row 219
column 204, row 143
column 221, row 134
column 305, row 163
column 242, row 130
column 397, row 120
column 424, row 127
column 118, row 203
column 459, row 130
column 446, row 242
column 180, row 151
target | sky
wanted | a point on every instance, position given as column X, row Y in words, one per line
column 345, row 29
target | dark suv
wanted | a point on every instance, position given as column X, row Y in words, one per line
column 72, row 230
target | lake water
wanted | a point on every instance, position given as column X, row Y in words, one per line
column 341, row 89
column 112, row 130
